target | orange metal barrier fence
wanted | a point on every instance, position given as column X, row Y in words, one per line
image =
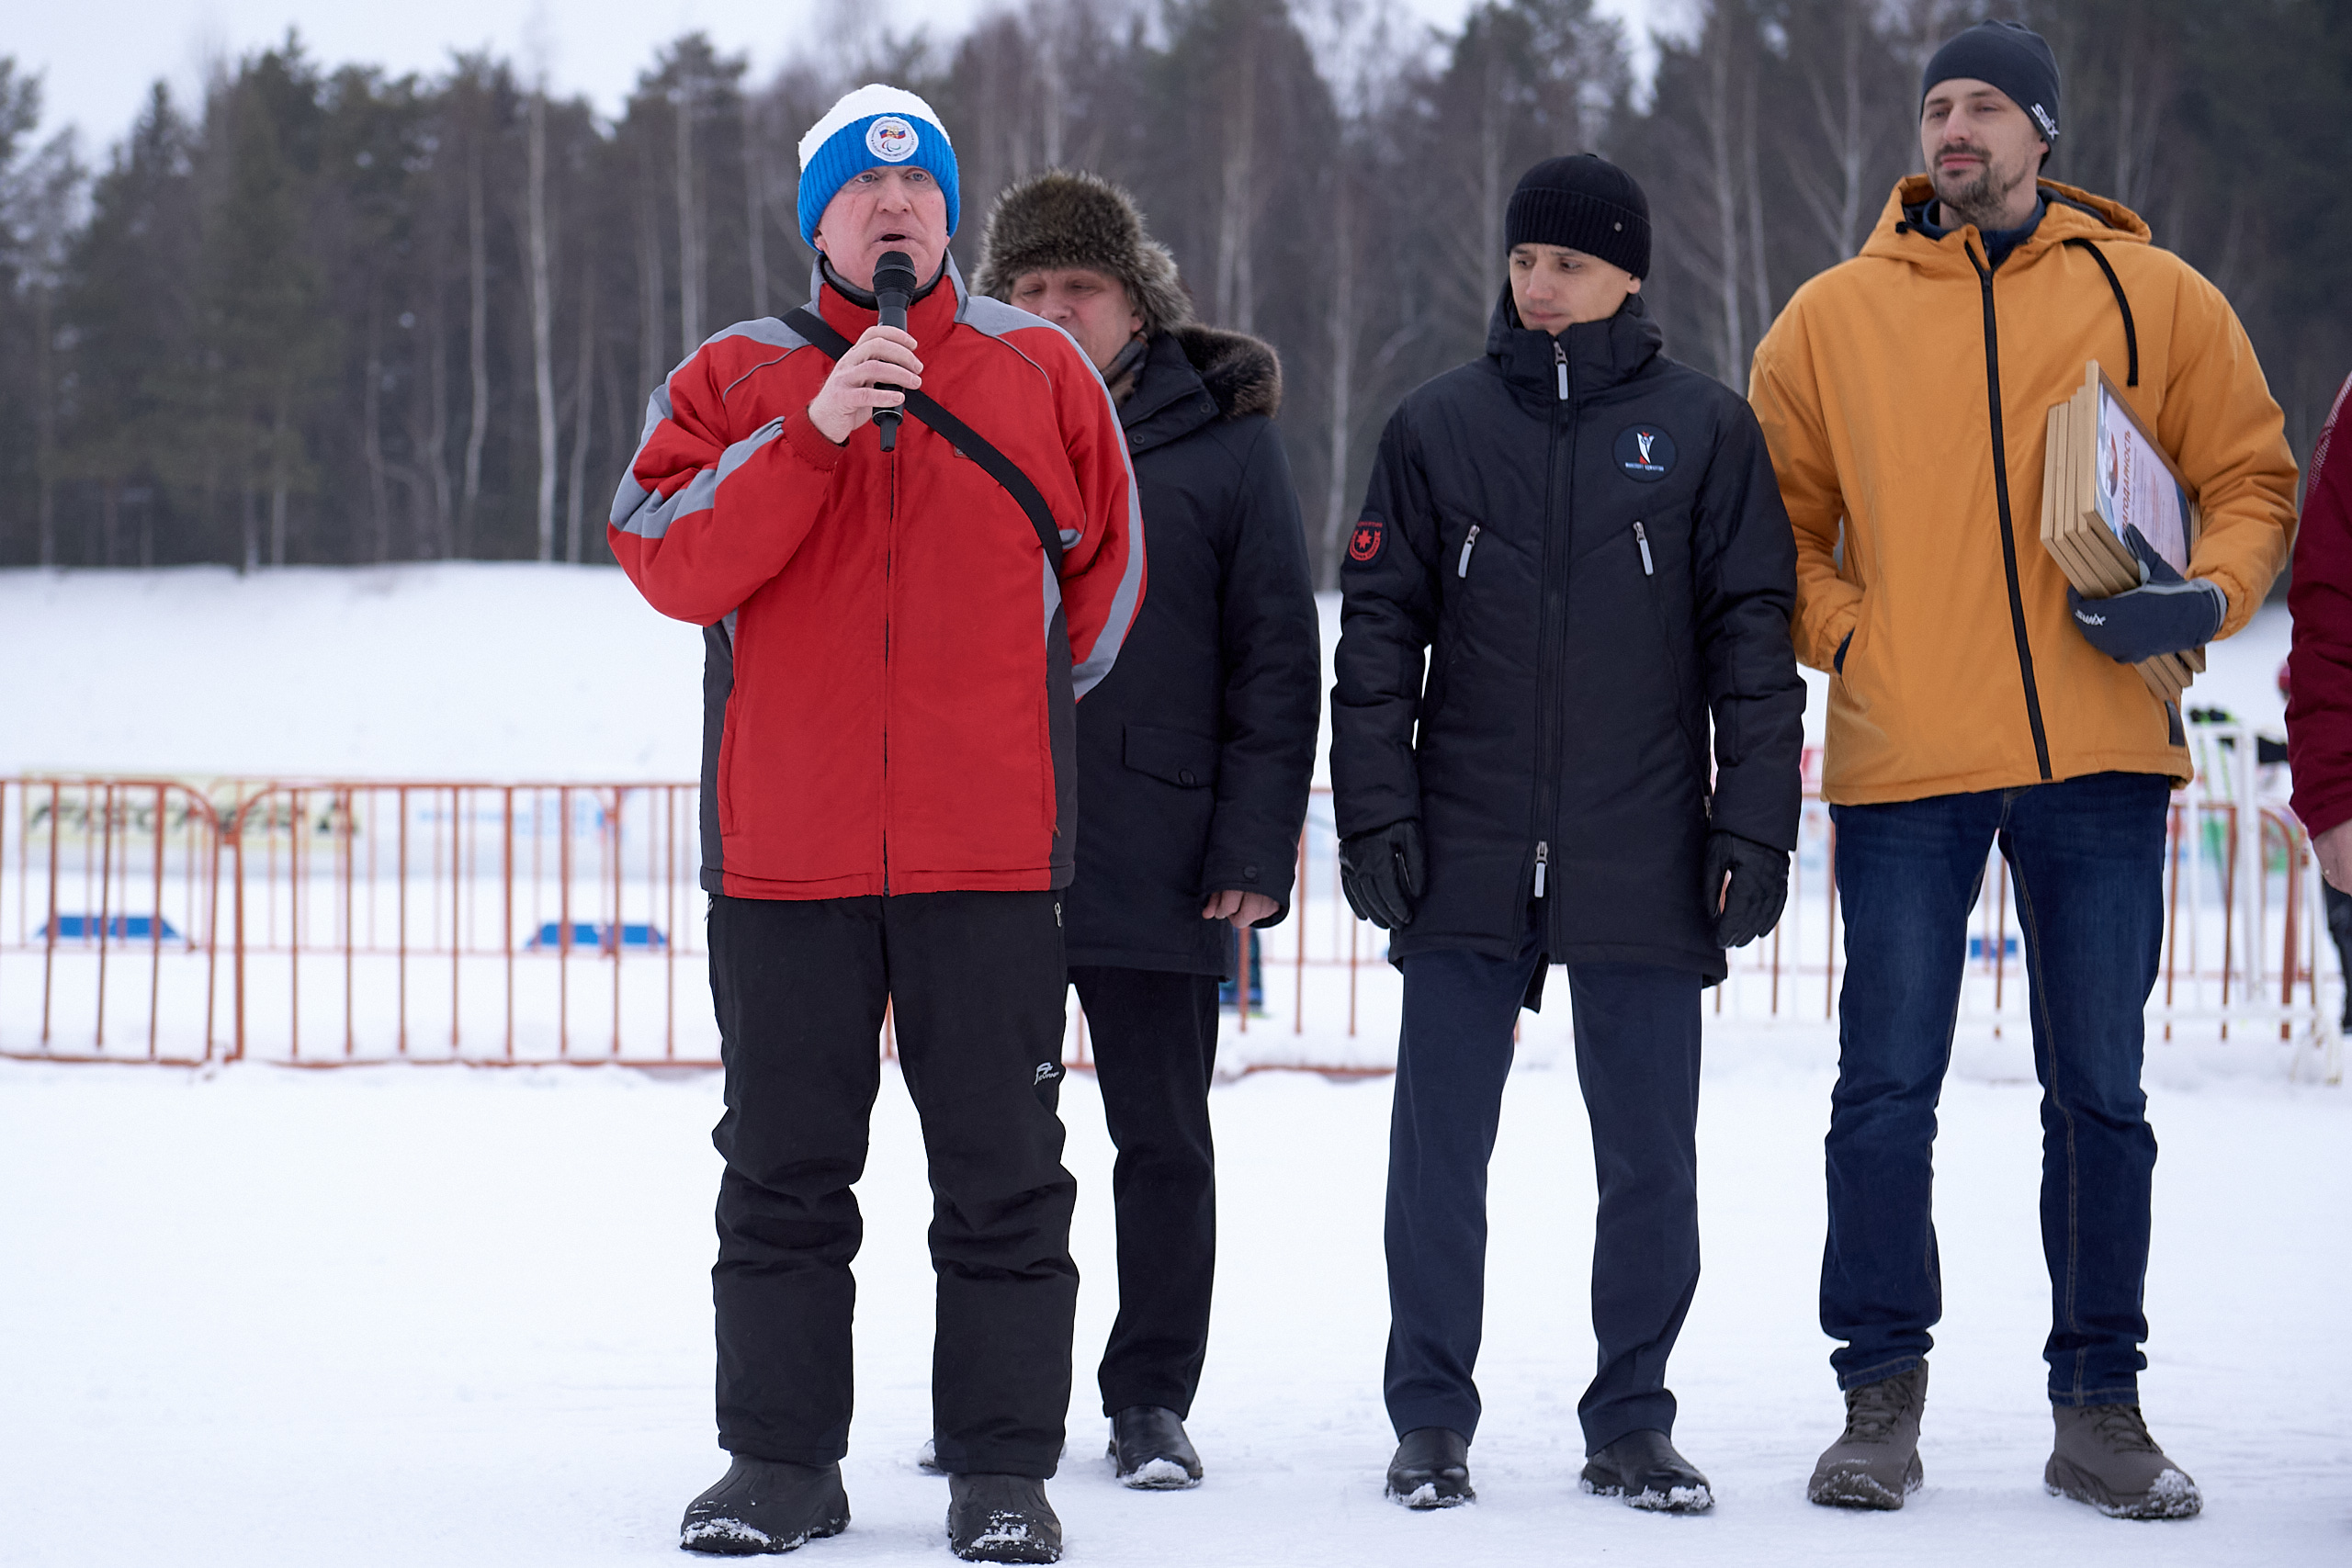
column 319, row 924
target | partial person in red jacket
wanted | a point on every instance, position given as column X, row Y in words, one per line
column 893, row 655
column 2319, row 668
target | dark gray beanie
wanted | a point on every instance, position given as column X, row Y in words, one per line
column 1585, row 203
column 2011, row 57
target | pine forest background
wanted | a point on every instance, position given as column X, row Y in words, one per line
column 332, row 316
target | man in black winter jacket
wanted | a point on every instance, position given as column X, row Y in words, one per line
column 1194, row 759
column 1582, row 542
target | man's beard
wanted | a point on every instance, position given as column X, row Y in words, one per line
column 1975, row 200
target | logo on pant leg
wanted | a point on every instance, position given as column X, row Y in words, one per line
column 1046, row 1071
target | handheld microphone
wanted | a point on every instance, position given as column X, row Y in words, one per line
column 894, row 289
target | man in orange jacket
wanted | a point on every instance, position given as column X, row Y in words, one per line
column 1903, row 394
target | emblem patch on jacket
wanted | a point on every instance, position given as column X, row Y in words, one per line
column 1645, row 453
column 1364, row 545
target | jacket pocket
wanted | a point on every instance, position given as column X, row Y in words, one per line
column 1188, row 762
column 1647, row 551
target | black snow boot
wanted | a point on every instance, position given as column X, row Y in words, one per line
column 765, row 1505
column 1643, row 1467
column 1149, row 1451
column 2104, row 1457
column 1431, row 1469
column 1874, row 1463
column 1001, row 1518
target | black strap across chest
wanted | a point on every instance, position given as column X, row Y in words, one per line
column 961, row 436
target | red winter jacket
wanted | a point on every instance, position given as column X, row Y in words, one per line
column 892, row 664
column 2319, row 669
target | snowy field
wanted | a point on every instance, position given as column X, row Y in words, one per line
column 409, row 1315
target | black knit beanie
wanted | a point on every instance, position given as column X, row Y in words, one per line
column 1586, row 204
column 2012, row 58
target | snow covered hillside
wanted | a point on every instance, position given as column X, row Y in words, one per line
column 460, row 670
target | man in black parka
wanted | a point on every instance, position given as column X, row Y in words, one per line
column 1194, row 759
column 1582, row 543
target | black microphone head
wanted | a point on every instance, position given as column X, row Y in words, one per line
column 894, row 274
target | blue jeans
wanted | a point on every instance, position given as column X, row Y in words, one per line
column 2086, row 857
column 1637, row 1061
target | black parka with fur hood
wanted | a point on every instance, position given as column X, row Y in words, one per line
column 1195, row 752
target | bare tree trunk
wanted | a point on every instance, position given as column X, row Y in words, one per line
column 651, row 365
column 252, row 556
column 278, row 485
column 1723, row 179
column 1237, row 207
column 109, row 518
column 756, row 194
column 371, row 437
column 689, row 230
column 1752, row 193
column 477, row 350
column 440, row 500
column 584, row 398
column 1342, row 328
column 542, row 323
column 45, row 421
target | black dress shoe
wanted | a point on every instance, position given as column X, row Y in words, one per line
column 1643, row 1469
column 1149, row 1451
column 1001, row 1518
column 765, row 1505
column 1431, row 1469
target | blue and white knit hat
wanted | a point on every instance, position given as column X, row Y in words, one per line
column 874, row 125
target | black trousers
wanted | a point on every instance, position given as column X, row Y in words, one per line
column 975, row 980
column 1154, row 1039
column 1637, row 1061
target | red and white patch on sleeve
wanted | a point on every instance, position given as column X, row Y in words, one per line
column 1364, row 545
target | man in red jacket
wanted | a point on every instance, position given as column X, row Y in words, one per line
column 2319, row 668
column 893, row 660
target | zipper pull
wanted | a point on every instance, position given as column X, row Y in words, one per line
column 1560, row 364
column 1464, row 569
column 1642, row 538
column 1542, row 854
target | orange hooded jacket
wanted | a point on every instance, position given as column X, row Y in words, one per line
column 1904, row 395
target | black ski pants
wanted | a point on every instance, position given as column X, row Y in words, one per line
column 1154, row 1039
column 977, row 985
column 1637, row 1061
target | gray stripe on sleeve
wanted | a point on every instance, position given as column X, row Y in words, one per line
column 650, row 517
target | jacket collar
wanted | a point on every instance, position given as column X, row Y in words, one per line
column 1601, row 354
column 1193, row 375
column 2073, row 214
column 1168, row 401
column 850, row 311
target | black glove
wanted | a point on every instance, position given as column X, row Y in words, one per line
column 2164, row 614
column 1760, row 887
column 1382, row 872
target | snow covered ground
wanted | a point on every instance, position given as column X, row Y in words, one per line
column 405, row 1316
column 421, row 1317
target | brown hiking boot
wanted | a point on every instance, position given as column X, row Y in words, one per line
column 2104, row 1457
column 1876, row 1460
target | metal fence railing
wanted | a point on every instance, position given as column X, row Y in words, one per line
column 340, row 921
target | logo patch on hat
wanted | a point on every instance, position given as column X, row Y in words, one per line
column 892, row 140
column 1364, row 545
column 2048, row 121
column 1645, row 453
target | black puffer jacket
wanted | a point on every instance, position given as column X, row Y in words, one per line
column 1195, row 752
column 1586, row 539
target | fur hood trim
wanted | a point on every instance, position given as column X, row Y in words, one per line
column 1242, row 373
column 1062, row 217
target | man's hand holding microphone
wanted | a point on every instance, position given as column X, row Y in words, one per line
column 871, row 381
